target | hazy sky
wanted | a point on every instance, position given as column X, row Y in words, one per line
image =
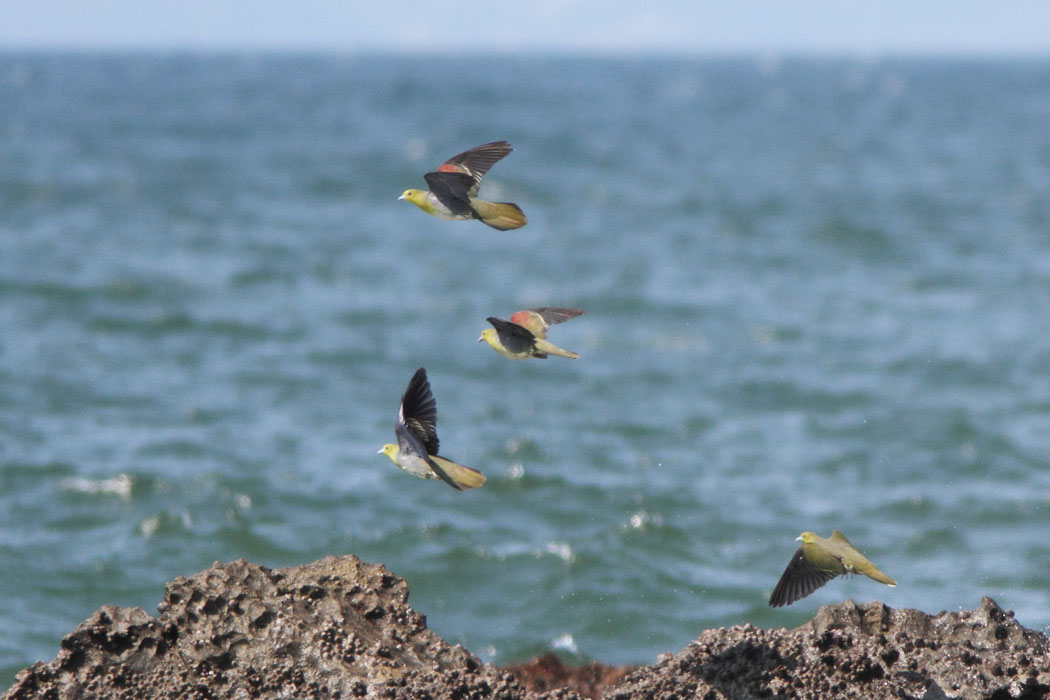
column 812, row 26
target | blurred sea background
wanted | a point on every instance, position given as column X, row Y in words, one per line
column 817, row 294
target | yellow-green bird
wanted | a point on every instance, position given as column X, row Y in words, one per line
column 525, row 334
column 818, row 561
column 416, row 450
column 453, row 193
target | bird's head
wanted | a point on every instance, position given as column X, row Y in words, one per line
column 414, row 196
column 489, row 336
column 390, row 450
column 807, row 538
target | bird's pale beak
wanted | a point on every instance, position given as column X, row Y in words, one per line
column 481, row 337
column 797, row 539
column 401, row 197
column 379, row 451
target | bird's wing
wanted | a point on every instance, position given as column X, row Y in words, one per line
column 412, row 448
column 799, row 579
column 516, row 339
column 540, row 320
column 557, row 314
column 418, row 414
column 408, row 442
column 837, row 536
column 476, row 162
column 453, row 190
column 531, row 320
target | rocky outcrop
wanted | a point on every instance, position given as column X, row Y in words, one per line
column 858, row 651
column 341, row 628
column 337, row 628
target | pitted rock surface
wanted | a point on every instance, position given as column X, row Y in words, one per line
column 858, row 651
column 337, row 628
column 341, row 628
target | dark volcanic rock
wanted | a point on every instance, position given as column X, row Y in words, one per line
column 337, row 628
column 858, row 651
column 340, row 628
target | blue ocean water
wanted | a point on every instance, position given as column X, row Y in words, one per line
column 817, row 297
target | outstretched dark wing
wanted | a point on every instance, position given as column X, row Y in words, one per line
column 411, row 448
column 476, row 162
column 799, row 579
column 557, row 314
column 452, row 190
column 517, row 339
column 418, row 414
column 539, row 320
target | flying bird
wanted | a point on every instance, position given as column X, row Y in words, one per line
column 525, row 334
column 818, row 561
column 453, row 193
column 416, row 450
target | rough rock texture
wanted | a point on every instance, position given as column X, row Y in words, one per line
column 858, row 651
column 340, row 628
column 337, row 628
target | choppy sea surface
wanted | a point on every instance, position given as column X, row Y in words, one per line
column 817, row 294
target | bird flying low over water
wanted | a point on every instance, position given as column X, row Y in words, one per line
column 453, row 193
column 525, row 334
column 818, row 561
column 416, row 450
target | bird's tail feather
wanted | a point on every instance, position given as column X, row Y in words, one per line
column 880, row 577
column 552, row 349
column 464, row 476
column 503, row 216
